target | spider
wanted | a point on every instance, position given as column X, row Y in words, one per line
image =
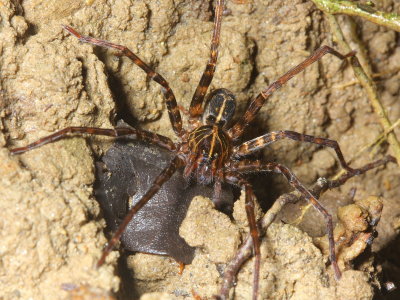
column 210, row 151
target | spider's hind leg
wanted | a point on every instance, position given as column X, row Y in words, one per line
column 236, row 179
column 257, row 166
column 164, row 176
column 246, row 166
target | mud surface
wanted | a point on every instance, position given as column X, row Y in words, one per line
column 51, row 229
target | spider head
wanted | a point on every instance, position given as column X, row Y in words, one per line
column 221, row 107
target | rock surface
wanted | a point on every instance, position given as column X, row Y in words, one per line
column 51, row 230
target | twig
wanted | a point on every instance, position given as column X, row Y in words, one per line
column 245, row 251
column 368, row 85
column 377, row 141
column 367, row 12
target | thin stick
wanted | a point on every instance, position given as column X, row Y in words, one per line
column 353, row 8
column 245, row 251
column 369, row 87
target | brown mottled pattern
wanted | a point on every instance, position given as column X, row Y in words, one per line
column 201, row 90
column 237, row 130
column 169, row 96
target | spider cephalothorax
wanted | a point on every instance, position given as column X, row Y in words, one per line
column 209, row 146
column 208, row 152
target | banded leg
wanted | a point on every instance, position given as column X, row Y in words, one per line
column 164, row 176
column 244, row 252
column 236, row 179
column 137, row 134
column 196, row 108
column 237, row 130
column 257, row 166
column 170, row 100
column 271, row 137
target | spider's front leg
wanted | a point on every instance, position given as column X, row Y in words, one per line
column 128, row 132
column 263, row 141
column 235, row 178
column 196, row 108
column 170, row 100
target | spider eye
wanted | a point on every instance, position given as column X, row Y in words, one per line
column 210, row 119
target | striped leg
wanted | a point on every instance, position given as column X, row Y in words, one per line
column 173, row 111
column 196, row 108
column 164, row 176
column 257, row 166
column 236, row 179
column 264, row 140
column 237, row 130
column 243, row 254
column 128, row 132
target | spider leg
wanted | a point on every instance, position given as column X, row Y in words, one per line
column 236, row 179
column 164, row 176
column 196, row 108
column 271, row 137
column 216, row 199
column 130, row 132
column 257, row 166
column 170, row 100
column 346, row 176
column 244, row 252
column 237, row 130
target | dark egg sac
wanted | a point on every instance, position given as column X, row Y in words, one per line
column 125, row 173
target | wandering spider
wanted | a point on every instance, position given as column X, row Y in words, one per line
column 209, row 151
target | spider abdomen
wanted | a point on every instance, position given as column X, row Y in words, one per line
column 209, row 148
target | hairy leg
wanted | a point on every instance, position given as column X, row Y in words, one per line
column 271, row 137
column 136, row 134
column 317, row 190
column 257, row 166
column 236, row 179
column 170, row 100
column 196, row 108
column 237, row 130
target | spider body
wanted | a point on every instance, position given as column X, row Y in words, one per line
column 209, row 145
column 208, row 151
